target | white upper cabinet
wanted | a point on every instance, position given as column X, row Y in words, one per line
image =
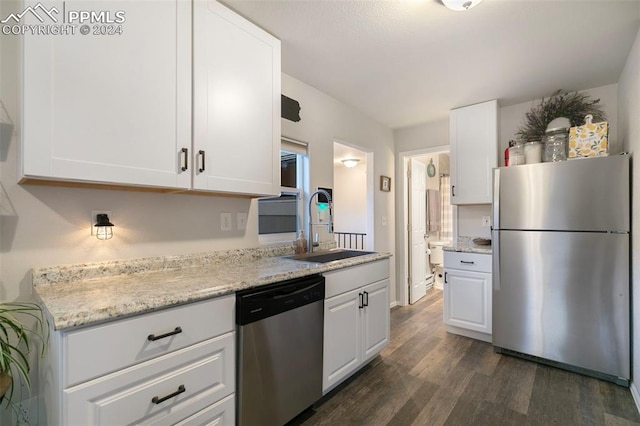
column 474, row 152
column 236, row 70
column 111, row 108
column 123, row 109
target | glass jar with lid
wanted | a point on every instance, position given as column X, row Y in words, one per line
column 516, row 154
column 555, row 144
column 533, row 152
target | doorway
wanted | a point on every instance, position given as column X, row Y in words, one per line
column 353, row 191
column 426, row 223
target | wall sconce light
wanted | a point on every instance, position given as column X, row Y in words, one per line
column 104, row 228
column 350, row 162
column 458, row 5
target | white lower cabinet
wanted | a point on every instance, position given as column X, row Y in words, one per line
column 183, row 374
column 356, row 320
column 467, row 294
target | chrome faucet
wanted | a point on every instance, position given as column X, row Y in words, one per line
column 329, row 224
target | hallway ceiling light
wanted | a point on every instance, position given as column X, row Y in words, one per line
column 459, row 5
column 350, row 162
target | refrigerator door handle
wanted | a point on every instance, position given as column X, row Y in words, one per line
column 496, row 199
column 495, row 269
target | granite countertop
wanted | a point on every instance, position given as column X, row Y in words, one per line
column 468, row 247
column 80, row 295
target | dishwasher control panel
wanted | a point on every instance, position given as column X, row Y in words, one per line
column 262, row 302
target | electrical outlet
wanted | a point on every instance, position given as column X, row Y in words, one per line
column 94, row 219
column 225, row 221
column 241, row 218
column 486, row 220
column 383, row 221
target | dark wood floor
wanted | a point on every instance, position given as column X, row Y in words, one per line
column 429, row 377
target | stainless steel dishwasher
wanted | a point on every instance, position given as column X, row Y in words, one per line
column 280, row 332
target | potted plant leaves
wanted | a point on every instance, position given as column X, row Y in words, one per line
column 17, row 340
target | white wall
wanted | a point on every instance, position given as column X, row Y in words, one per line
column 629, row 137
column 350, row 198
column 324, row 120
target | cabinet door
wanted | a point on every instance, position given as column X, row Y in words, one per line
column 375, row 321
column 342, row 331
column 110, row 108
column 467, row 300
column 474, row 152
column 236, row 69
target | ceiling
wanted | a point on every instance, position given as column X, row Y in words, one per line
column 343, row 152
column 406, row 62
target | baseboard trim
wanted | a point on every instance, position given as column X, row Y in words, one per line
column 635, row 394
column 393, row 304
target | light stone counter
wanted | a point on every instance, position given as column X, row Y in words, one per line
column 468, row 248
column 78, row 295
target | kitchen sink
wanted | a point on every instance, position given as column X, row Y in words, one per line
column 329, row 256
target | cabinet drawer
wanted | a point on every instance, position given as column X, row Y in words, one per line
column 103, row 349
column 467, row 261
column 343, row 280
column 222, row 413
column 192, row 379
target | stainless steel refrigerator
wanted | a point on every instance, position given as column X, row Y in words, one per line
column 561, row 264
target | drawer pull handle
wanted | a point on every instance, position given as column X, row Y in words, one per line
column 445, row 278
column 158, row 400
column 201, row 154
column 467, row 262
column 153, row 337
column 185, row 159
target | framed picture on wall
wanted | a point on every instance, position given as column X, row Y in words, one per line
column 385, row 183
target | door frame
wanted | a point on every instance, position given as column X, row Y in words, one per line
column 402, row 225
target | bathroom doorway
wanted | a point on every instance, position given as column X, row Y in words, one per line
column 426, row 221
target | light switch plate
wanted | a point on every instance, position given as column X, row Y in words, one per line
column 242, row 221
column 486, row 220
column 225, row 221
column 384, row 221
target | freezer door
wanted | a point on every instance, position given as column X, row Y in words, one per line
column 590, row 194
column 564, row 296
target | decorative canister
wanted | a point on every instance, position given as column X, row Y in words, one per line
column 555, row 145
column 533, row 152
column 516, row 154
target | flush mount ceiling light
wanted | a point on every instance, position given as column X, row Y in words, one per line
column 458, row 5
column 104, row 228
column 350, row 162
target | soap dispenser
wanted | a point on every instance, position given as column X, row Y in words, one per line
column 301, row 243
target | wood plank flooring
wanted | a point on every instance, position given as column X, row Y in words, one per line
column 426, row 376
